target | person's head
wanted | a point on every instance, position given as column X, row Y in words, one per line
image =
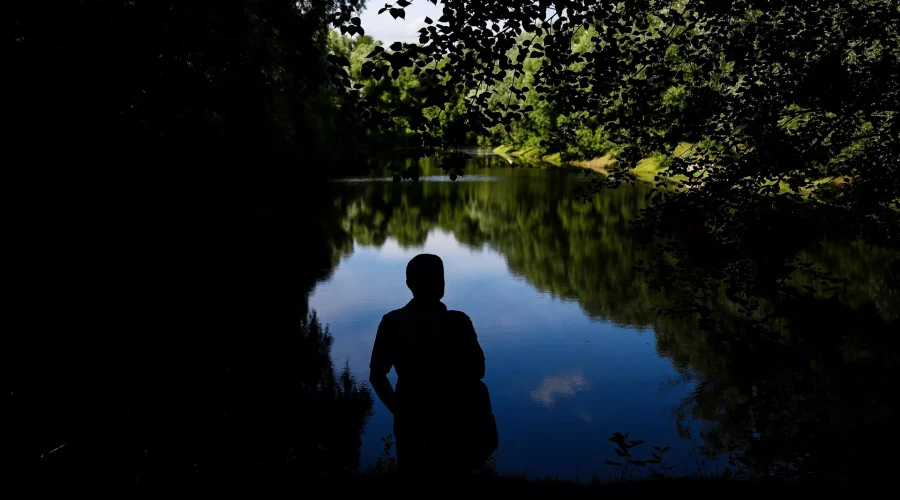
column 425, row 277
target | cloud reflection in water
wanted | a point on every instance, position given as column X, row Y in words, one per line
column 560, row 385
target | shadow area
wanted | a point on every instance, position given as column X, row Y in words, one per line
column 240, row 392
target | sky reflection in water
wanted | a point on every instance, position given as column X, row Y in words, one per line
column 560, row 381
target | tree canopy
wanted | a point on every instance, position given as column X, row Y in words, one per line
column 776, row 121
column 770, row 94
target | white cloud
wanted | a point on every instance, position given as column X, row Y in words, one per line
column 389, row 30
column 561, row 385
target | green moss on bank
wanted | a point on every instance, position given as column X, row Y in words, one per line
column 644, row 171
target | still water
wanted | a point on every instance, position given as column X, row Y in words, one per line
column 574, row 349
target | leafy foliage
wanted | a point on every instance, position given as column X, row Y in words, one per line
column 778, row 121
column 623, row 451
column 244, row 82
column 768, row 92
column 386, row 463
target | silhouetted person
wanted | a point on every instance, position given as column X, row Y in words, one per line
column 443, row 423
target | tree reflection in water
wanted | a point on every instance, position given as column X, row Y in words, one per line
column 784, row 388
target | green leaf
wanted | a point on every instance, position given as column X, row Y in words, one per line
column 339, row 60
column 367, row 68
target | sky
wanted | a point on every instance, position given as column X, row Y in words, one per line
column 389, row 30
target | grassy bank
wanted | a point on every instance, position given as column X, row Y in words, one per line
column 496, row 487
column 647, row 169
column 633, row 477
column 519, row 487
column 644, row 171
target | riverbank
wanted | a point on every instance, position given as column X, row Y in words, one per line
column 381, row 475
column 366, row 487
column 645, row 170
column 517, row 486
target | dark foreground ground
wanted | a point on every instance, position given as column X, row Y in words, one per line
column 515, row 487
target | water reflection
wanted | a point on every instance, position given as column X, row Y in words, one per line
column 528, row 336
column 772, row 394
column 560, row 386
column 426, row 178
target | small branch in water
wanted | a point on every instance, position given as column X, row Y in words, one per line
column 54, row 450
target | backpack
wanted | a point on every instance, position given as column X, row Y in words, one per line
column 485, row 437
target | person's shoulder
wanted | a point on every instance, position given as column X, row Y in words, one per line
column 458, row 316
column 394, row 315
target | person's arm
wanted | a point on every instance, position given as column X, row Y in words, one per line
column 473, row 354
column 380, row 365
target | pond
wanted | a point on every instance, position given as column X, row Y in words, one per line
column 574, row 347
